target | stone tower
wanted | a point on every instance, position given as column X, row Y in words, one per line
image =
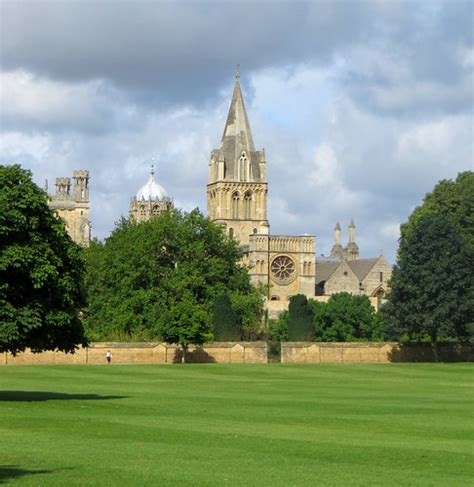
column 151, row 200
column 73, row 206
column 237, row 188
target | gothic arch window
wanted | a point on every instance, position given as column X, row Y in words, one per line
column 235, row 204
column 156, row 210
column 248, row 205
column 142, row 210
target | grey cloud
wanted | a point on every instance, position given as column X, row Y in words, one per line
column 169, row 52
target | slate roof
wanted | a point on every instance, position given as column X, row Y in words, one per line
column 360, row 267
column 324, row 270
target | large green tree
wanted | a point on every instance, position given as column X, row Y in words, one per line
column 41, row 271
column 432, row 289
column 159, row 279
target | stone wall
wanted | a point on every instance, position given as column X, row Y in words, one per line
column 146, row 353
column 385, row 352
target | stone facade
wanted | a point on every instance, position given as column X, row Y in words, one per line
column 71, row 204
column 369, row 277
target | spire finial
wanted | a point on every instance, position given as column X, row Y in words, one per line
column 237, row 72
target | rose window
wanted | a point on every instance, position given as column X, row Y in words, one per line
column 283, row 269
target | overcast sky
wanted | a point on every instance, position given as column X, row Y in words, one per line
column 361, row 106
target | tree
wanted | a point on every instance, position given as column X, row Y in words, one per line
column 279, row 328
column 300, row 327
column 432, row 290
column 453, row 199
column 159, row 279
column 41, row 271
column 345, row 318
column 226, row 325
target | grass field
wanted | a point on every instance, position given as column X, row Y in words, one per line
column 209, row 424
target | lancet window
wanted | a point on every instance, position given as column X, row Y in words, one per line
column 235, row 204
column 248, row 205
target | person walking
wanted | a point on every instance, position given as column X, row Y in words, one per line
column 108, row 357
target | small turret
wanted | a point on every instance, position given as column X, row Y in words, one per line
column 337, row 250
column 63, row 187
column 81, row 185
column 352, row 249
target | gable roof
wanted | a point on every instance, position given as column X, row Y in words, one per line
column 324, row 270
column 361, row 267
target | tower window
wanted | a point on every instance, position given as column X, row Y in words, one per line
column 381, row 276
column 235, row 205
column 248, row 205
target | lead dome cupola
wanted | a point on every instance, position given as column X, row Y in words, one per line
column 151, row 190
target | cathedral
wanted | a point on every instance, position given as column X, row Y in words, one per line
column 237, row 199
column 237, row 193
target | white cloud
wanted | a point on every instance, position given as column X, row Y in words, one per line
column 36, row 103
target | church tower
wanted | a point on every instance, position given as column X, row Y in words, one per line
column 72, row 205
column 237, row 187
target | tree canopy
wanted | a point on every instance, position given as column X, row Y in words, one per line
column 41, row 271
column 300, row 327
column 454, row 200
column 346, row 318
column 159, row 279
column 226, row 323
column 432, row 283
column 343, row 318
column 432, row 290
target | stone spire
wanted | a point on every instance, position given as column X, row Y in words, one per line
column 337, row 250
column 352, row 249
column 241, row 161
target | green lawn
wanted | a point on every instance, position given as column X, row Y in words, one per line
column 210, row 424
